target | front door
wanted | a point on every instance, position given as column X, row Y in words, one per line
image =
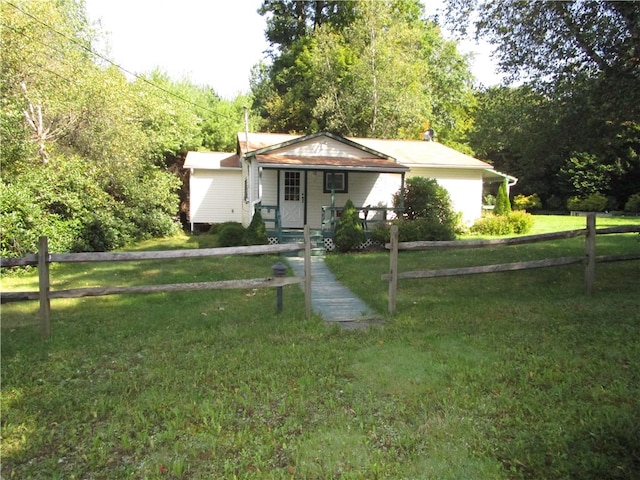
column 292, row 198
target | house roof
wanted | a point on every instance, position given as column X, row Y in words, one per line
column 286, row 150
column 413, row 153
column 419, row 153
column 212, row 160
column 319, row 150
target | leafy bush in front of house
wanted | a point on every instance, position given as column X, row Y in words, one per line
column 596, row 202
column 633, row 203
column 428, row 204
column 503, row 205
column 230, row 234
column 524, row 202
column 518, row 222
column 349, row 233
column 256, row 232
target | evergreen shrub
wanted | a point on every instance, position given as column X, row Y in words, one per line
column 349, row 233
column 256, row 232
column 503, row 206
column 230, row 234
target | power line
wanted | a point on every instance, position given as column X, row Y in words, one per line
column 106, row 59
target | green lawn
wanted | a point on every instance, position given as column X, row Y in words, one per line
column 507, row 375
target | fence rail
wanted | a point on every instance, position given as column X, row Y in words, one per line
column 44, row 294
column 589, row 259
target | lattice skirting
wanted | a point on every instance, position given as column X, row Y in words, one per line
column 328, row 243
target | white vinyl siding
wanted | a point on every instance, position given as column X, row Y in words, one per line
column 216, row 196
column 464, row 187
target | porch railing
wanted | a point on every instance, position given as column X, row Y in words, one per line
column 271, row 216
column 369, row 216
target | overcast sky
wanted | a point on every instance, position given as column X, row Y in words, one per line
column 210, row 42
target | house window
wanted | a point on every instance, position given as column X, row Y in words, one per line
column 336, row 181
column 292, row 186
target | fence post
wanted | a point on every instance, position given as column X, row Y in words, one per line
column 43, row 287
column 307, row 272
column 393, row 269
column 590, row 252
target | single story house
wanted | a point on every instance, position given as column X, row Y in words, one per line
column 299, row 180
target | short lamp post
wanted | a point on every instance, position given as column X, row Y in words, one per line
column 279, row 271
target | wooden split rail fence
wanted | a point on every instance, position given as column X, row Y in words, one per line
column 589, row 259
column 44, row 294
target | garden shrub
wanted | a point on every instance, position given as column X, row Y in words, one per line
column 503, row 206
column 521, row 222
column 595, row 202
column 231, row 234
column 518, row 222
column 349, row 233
column 492, row 225
column 633, row 204
column 428, row 204
column 523, row 202
column 256, row 232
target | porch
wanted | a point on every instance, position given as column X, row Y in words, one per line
column 322, row 238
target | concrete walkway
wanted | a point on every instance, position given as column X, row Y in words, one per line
column 331, row 299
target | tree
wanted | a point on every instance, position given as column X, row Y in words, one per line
column 582, row 59
column 382, row 70
column 555, row 41
column 503, row 205
column 349, row 233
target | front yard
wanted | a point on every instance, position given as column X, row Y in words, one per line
column 512, row 375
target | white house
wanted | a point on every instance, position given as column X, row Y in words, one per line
column 301, row 180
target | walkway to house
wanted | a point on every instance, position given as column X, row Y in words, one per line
column 333, row 300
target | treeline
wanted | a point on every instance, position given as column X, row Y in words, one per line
column 91, row 158
column 570, row 129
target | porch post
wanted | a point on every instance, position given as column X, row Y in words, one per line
column 333, row 210
column 402, row 192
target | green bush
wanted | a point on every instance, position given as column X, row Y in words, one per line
column 492, row 225
column 518, row 222
column 231, row 234
column 595, row 202
column 521, row 222
column 633, row 204
column 84, row 207
column 428, row 204
column 349, row 233
column 256, row 232
column 503, row 206
column 523, row 202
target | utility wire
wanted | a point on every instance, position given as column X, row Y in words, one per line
column 102, row 57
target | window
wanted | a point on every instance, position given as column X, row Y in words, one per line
column 336, row 181
column 292, row 186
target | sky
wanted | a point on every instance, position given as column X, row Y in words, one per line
column 209, row 42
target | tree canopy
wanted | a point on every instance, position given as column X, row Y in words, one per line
column 90, row 157
column 360, row 68
column 571, row 125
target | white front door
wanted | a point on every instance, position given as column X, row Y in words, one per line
column 292, row 198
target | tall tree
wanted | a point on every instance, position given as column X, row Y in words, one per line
column 584, row 58
column 384, row 72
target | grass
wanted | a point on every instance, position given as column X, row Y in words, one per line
column 513, row 375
